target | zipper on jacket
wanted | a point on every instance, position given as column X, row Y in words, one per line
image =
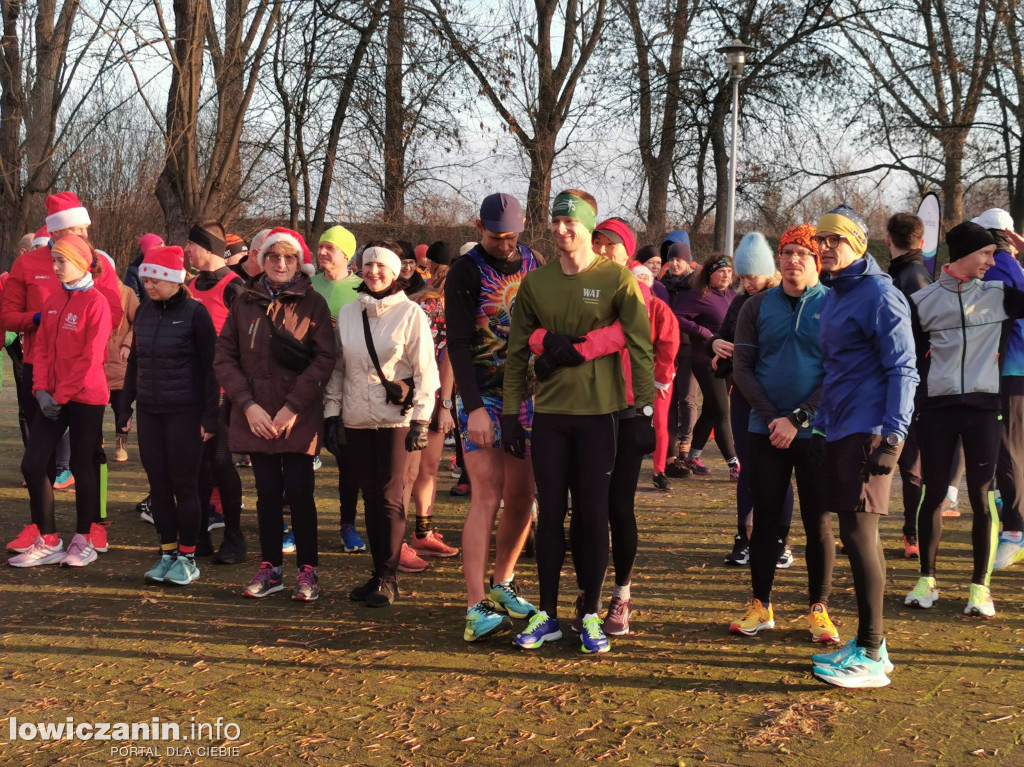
column 963, row 333
column 53, row 367
column 800, row 309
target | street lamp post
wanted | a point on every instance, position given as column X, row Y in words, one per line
column 735, row 57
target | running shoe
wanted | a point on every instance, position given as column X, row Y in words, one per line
column 740, row 553
column 145, row 510
column 832, row 658
column 317, row 463
column 433, row 545
column 697, row 468
column 158, row 572
column 267, row 580
column 980, row 604
column 64, row 480
column 460, row 490
column 910, row 548
column 661, row 482
column 120, row 452
column 39, row 554
column 24, row 540
column 949, row 509
column 307, row 586
column 923, row 595
column 578, row 612
column 822, row 629
column 854, row 670
column 449, row 440
column 482, row 620
column 454, row 470
column 504, row 597
column 232, row 549
column 757, row 618
column 677, row 469
column 243, row 460
column 409, row 561
column 182, row 571
column 215, row 520
column 616, row 622
column 360, row 593
column 350, row 539
column 734, row 472
column 785, row 560
column 1008, row 552
column 98, row 536
column 385, row 593
column 288, row 541
column 80, row 552
column 594, row 640
column 539, row 630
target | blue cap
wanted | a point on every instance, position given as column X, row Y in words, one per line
column 501, row 213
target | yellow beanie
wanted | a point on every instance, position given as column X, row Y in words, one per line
column 341, row 238
column 845, row 220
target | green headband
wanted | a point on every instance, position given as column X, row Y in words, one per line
column 571, row 206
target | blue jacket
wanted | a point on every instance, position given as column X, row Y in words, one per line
column 1008, row 270
column 777, row 357
column 868, row 353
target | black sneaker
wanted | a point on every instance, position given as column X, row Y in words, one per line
column 145, row 510
column 359, row 593
column 677, row 469
column 204, row 546
column 386, row 593
column 661, row 482
column 214, row 520
column 740, row 553
column 232, row 549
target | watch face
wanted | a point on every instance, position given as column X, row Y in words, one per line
column 892, row 439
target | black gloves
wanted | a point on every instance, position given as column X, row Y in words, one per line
column 334, row 436
column 416, row 439
column 48, row 405
column 513, row 435
column 882, row 458
column 643, row 432
column 559, row 352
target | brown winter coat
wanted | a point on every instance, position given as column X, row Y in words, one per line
column 121, row 338
column 248, row 372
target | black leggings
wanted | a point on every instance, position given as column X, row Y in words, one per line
column 170, row 447
column 348, row 485
column 573, row 453
column 682, row 409
column 739, row 416
column 14, row 351
column 379, row 460
column 621, row 506
column 858, row 531
column 278, row 475
column 85, row 426
column 981, row 432
column 714, row 411
column 1010, row 470
column 217, row 469
column 770, row 471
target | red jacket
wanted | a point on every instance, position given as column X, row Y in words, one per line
column 70, row 347
column 611, row 340
column 32, row 281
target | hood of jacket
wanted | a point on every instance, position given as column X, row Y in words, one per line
column 861, row 269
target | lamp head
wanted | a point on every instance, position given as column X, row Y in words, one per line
column 735, row 56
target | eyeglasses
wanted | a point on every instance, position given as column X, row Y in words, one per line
column 277, row 258
column 796, row 254
column 830, row 241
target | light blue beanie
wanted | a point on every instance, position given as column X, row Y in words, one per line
column 754, row 257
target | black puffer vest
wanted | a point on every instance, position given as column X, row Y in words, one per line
column 169, row 378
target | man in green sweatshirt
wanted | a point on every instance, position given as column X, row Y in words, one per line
column 574, row 427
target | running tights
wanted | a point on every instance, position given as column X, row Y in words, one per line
column 714, row 412
column 170, row 447
column 217, row 469
column 739, row 415
column 280, row 475
column 858, row 531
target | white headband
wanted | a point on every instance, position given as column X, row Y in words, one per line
column 378, row 255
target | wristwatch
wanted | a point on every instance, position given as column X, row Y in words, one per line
column 647, row 411
column 446, row 404
column 800, row 418
column 892, row 440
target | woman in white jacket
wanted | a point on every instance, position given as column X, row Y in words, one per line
column 383, row 421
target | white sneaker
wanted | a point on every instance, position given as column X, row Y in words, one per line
column 1008, row 552
column 924, row 594
column 39, row 554
column 80, row 552
column 980, row 603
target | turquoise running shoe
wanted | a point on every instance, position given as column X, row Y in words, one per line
column 504, row 597
column 158, row 572
column 854, row 671
column 183, row 572
column 594, row 640
column 539, row 630
column 832, row 658
column 482, row 621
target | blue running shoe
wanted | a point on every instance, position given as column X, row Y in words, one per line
column 481, row 621
column 288, row 542
column 539, row 630
column 854, row 671
column 504, row 597
column 317, row 463
column 350, row 539
column 593, row 637
column 832, row 658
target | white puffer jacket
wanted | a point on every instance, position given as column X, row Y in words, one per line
column 401, row 336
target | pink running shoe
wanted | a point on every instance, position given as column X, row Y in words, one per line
column 408, row 562
column 697, row 468
column 433, row 545
column 80, row 552
column 734, row 473
column 25, row 539
column 616, row 622
column 39, row 554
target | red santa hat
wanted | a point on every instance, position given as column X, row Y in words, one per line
column 41, row 238
column 164, row 262
column 63, row 210
column 293, row 238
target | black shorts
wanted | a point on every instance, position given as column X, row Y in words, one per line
column 849, row 486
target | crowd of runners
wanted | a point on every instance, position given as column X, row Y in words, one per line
column 555, row 376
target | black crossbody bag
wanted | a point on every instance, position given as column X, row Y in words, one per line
column 395, row 392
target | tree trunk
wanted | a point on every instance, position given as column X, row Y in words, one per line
column 11, row 112
column 394, row 116
column 542, row 157
column 952, row 182
column 720, row 160
column 226, row 199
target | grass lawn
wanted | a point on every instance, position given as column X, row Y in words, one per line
column 338, row 683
